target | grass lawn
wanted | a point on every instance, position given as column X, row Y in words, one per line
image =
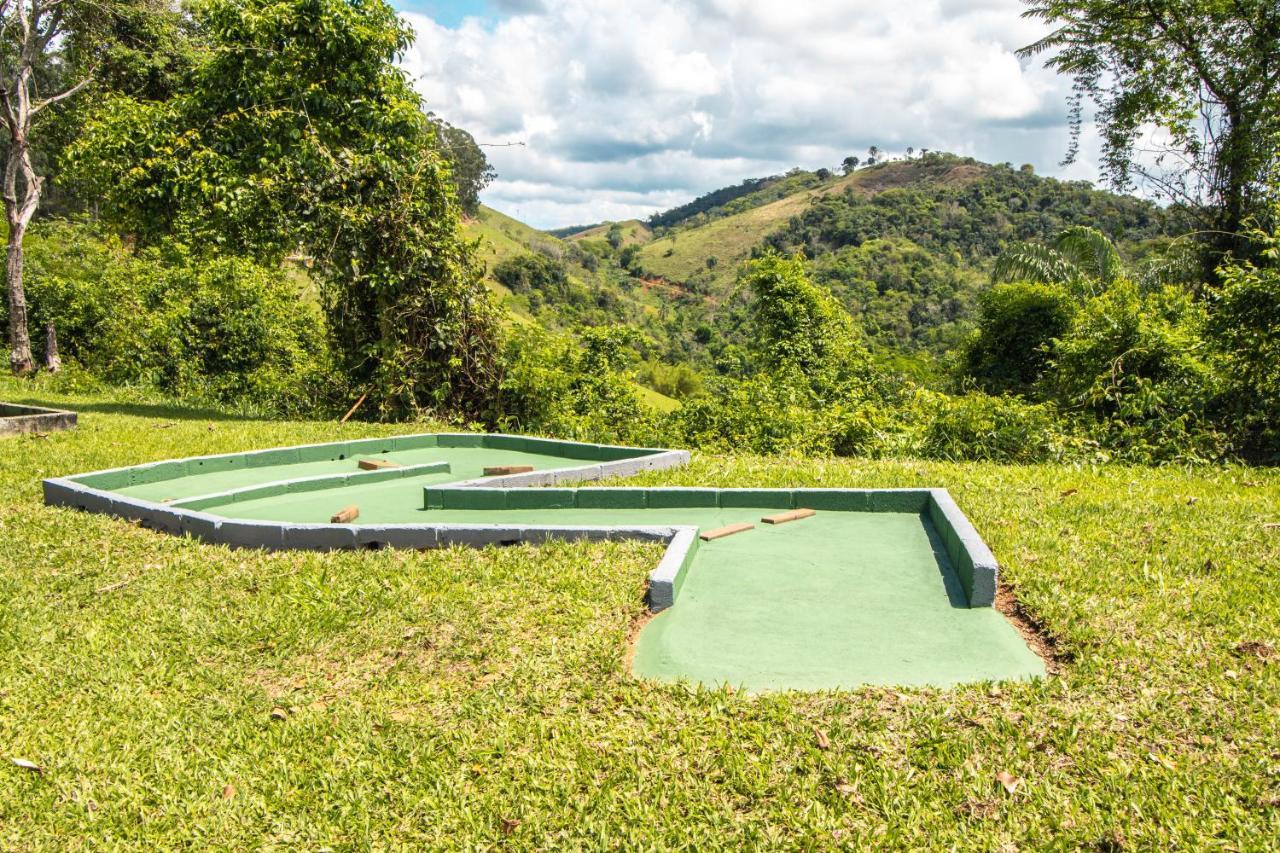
column 178, row 694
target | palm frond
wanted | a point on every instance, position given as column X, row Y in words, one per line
column 1090, row 251
column 1036, row 263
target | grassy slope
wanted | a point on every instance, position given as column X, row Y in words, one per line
column 501, row 238
column 471, row 698
column 730, row 239
column 633, row 231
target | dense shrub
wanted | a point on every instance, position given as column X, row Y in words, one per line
column 217, row 330
column 777, row 413
column 524, row 273
column 982, row 427
column 1139, row 365
column 1017, row 325
column 573, row 387
column 1245, row 332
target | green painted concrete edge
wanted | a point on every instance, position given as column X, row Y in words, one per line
column 153, row 472
column 969, row 556
column 479, row 497
column 320, row 482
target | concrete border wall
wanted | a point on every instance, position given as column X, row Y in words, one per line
column 972, row 560
column 21, row 420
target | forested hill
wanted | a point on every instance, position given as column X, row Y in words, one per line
column 906, row 245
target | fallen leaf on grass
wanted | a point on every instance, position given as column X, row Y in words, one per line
column 1008, row 781
column 824, row 742
column 1271, row 525
column 1164, row 762
column 843, row 787
column 509, row 825
column 1068, row 493
column 228, row 791
column 28, row 765
column 279, row 714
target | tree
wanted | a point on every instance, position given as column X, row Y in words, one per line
column 472, row 171
column 1081, row 258
column 799, row 325
column 849, row 164
column 873, row 153
column 40, row 41
column 1207, row 72
column 1016, row 326
column 823, row 174
column 298, row 129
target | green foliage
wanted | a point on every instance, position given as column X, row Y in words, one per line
column 1138, row 364
column 984, row 428
column 777, row 413
column 1203, row 71
column 298, row 128
column 469, row 168
column 799, row 326
column 1244, row 329
column 1081, row 259
column 1017, row 325
column 674, row 380
column 576, row 387
column 524, row 273
column 224, row 330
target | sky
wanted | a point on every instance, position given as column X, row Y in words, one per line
column 631, row 107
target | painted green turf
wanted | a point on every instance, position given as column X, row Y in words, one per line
column 838, row 600
column 835, row 601
column 466, row 463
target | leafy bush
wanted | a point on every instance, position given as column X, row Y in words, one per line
column 571, row 387
column 981, row 427
column 1138, row 363
column 777, row 413
column 1016, row 327
column 1245, row 331
column 529, row 272
column 219, row 330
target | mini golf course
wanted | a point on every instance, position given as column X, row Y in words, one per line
column 763, row 589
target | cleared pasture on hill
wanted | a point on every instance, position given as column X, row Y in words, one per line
column 175, row 694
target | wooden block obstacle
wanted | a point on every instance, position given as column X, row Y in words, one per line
column 784, row 517
column 377, row 464
column 498, row 470
column 721, row 532
column 342, row 516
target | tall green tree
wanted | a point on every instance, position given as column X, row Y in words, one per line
column 50, row 50
column 471, row 170
column 299, row 130
column 1205, row 72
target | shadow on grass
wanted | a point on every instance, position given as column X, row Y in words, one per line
column 168, row 411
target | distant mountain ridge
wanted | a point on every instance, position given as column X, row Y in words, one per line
column 906, row 245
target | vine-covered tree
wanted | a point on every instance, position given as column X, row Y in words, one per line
column 1205, row 72
column 298, row 129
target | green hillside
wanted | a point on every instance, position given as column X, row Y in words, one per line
column 906, row 246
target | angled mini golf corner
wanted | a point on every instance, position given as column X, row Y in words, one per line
column 20, row 420
column 765, row 589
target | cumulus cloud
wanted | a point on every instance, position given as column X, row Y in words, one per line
column 629, row 108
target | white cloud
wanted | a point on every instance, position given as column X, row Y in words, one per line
column 626, row 108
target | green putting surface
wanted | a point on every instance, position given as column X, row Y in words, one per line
column 835, row 601
column 838, row 600
column 467, row 463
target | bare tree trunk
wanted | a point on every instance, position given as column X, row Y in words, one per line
column 33, row 24
column 20, row 360
column 52, row 361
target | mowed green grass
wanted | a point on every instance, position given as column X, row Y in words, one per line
column 481, row 698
